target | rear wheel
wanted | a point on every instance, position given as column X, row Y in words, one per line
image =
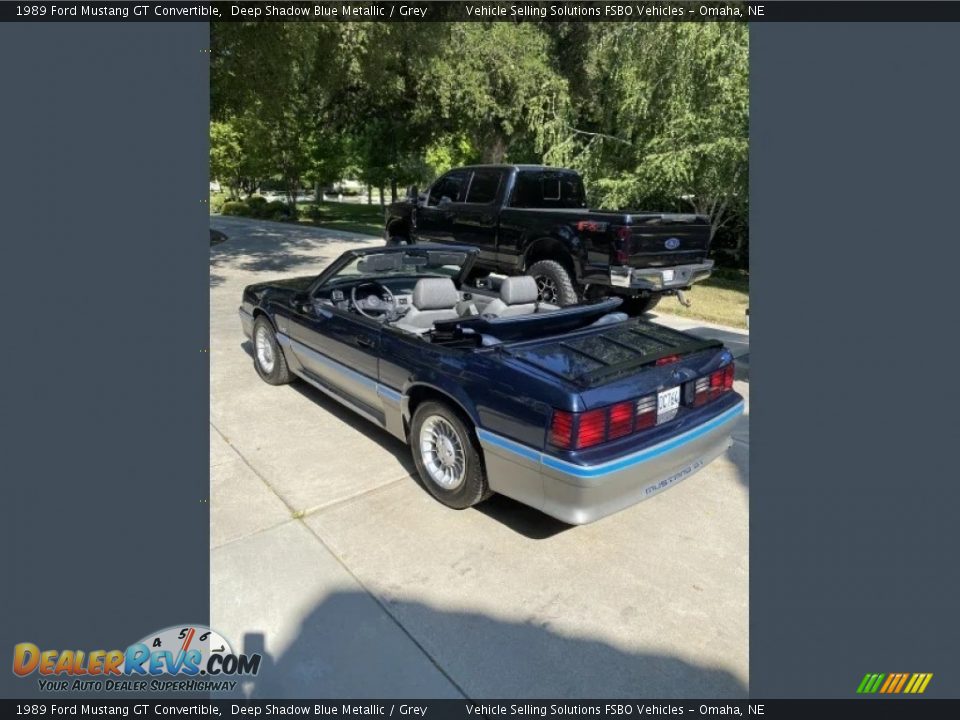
column 554, row 285
column 268, row 357
column 447, row 456
column 398, row 240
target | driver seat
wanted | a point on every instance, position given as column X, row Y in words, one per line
column 434, row 300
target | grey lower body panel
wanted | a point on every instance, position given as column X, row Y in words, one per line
column 661, row 278
column 579, row 494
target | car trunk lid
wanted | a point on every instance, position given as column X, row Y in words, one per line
column 600, row 356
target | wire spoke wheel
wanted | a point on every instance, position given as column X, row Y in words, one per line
column 442, row 453
column 264, row 347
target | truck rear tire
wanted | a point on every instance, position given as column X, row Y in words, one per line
column 554, row 285
column 640, row 305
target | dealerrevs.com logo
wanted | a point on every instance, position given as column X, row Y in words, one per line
column 198, row 657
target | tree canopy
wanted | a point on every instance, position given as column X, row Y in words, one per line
column 655, row 115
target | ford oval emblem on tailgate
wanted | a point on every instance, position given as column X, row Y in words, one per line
column 672, row 243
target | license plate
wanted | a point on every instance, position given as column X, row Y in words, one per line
column 667, row 275
column 667, row 403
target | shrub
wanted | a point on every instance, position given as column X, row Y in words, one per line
column 234, row 207
column 277, row 210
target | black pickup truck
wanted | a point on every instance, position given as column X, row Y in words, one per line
column 534, row 219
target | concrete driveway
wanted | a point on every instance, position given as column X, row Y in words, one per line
column 328, row 557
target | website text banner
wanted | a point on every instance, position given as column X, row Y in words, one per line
column 465, row 709
column 484, row 11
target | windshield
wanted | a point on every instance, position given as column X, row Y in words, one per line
column 428, row 263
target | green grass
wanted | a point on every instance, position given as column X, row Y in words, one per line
column 722, row 299
column 351, row 217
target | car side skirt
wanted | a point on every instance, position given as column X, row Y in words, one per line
column 387, row 416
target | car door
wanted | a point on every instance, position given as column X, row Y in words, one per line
column 435, row 219
column 341, row 351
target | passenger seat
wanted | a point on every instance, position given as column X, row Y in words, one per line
column 518, row 296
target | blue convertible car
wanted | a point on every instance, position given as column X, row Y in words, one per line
column 578, row 411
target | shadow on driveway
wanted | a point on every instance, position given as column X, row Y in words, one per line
column 266, row 246
column 338, row 654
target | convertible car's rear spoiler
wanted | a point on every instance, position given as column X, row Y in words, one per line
column 607, row 352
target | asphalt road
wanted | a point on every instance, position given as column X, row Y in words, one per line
column 328, row 557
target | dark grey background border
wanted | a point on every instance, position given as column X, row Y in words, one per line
column 854, row 498
column 104, row 282
column 854, row 165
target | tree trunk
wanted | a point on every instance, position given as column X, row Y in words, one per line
column 495, row 149
column 381, row 195
column 393, row 190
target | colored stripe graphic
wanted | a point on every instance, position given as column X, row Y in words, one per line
column 894, row 683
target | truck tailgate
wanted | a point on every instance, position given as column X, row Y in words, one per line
column 602, row 355
column 664, row 240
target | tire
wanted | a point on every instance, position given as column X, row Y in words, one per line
column 398, row 240
column 640, row 305
column 461, row 489
column 553, row 282
column 268, row 357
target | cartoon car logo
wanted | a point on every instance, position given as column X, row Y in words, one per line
column 672, row 243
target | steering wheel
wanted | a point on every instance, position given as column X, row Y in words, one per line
column 385, row 310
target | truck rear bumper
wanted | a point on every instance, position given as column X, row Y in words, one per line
column 659, row 279
column 579, row 494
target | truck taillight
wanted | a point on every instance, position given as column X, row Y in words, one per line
column 621, row 248
column 713, row 385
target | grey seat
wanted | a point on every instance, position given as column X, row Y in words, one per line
column 434, row 299
column 518, row 296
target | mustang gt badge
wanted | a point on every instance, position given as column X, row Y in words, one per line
column 672, row 243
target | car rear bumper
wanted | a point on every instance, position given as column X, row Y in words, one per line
column 580, row 494
column 661, row 278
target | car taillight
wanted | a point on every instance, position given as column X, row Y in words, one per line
column 646, row 412
column 667, row 360
column 561, row 429
column 592, row 428
column 621, row 420
column 577, row 431
column 713, row 385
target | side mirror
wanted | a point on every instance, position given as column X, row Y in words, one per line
column 301, row 303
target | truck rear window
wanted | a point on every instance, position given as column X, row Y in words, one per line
column 547, row 190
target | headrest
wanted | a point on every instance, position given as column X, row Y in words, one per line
column 518, row 290
column 435, row 294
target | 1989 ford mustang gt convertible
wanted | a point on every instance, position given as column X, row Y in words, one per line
column 578, row 411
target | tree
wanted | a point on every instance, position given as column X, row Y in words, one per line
column 496, row 82
column 675, row 123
